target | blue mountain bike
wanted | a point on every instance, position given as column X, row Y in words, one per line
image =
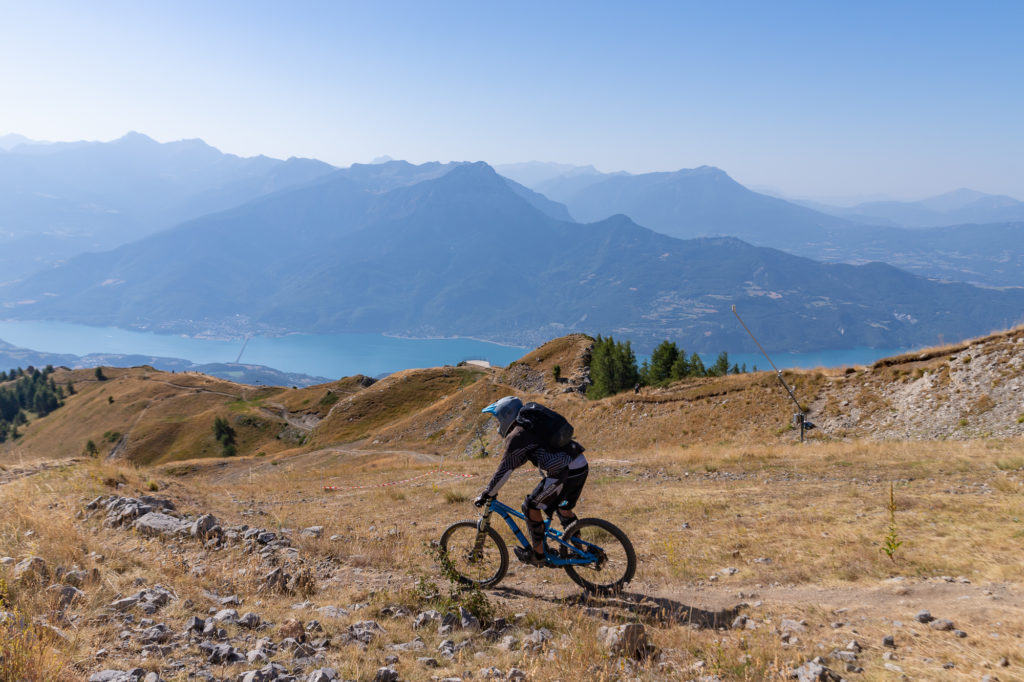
column 595, row 554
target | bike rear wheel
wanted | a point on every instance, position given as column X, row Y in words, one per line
column 485, row 568
column 617, row 559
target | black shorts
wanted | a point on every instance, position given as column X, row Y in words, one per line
column 552, row 493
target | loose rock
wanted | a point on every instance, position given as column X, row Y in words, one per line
column 815, row 672
column 628, row 640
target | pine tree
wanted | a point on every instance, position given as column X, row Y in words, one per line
column 612, row 368
column 697, row 366
column 680, row 368
column 721, row 366
column 662, row 359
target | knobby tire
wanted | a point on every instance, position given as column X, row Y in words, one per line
column 457, row 543
column 620, row 565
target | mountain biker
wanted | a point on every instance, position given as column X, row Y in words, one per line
column 564, row 471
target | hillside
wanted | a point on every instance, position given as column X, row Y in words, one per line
column 965, row 391
column 422, row 260
column 759, row 559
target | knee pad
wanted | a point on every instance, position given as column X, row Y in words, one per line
column 536, row 529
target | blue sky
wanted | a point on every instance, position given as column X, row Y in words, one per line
column 819, row 99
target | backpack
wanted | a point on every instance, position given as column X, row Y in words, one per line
column 551, row 428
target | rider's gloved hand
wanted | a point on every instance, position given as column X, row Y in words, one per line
column 482, row 499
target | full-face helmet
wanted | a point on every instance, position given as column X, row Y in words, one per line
column 505, row 411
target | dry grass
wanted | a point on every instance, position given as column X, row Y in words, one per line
column 945, row 350
column 162, row 416
column 703, row 475
column 391, row 399
column 817, row 512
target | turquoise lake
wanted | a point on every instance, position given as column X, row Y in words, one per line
column 338, row 355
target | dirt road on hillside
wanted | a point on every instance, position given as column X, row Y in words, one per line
column 316, row 460
column 10, row 473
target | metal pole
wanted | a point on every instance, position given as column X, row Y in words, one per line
column 778, row 373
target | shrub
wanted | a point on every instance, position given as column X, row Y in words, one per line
column 469, row 597
column 454, row 497
column 225, row 435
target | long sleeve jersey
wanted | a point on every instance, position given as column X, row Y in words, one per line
column 522, row 446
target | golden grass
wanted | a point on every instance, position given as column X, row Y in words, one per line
column 703, row 475
column 945, row 350
column 390, row 399
column 818, row 512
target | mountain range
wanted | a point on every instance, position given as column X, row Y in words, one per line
column 705, row 201
column 13, row 356
column 408, row 249
column 689, row 203
column 61, row 199
column 952, row 208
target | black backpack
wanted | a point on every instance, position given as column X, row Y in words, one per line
column 551, row 428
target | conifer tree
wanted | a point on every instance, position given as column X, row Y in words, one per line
column 721, row 366
column 662, row 359
column 680, row 368
column 612, row 368
column 697, row 366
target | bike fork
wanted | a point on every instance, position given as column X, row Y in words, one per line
column 481, row 535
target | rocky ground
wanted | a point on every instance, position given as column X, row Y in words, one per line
column 974, row 391
column 169, row 589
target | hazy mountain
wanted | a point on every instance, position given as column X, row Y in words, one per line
column 707, row 201
column 532, row 173
column 14, row 356
column 60, row 199
column 952, row 208
column 694, row 202
column 464, row 254
column 12, row 140
column 382, row 176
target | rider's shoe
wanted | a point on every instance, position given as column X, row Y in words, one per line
column 528, row 557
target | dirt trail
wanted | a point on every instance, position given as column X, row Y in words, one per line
column 314, row 461
column 305, row 423
column 10, row 473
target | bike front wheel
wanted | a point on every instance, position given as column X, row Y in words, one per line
column 484, row 567
column 616, row 562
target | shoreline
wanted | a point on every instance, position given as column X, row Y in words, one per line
column 450, row 338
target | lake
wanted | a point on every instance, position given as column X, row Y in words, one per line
column 337, row 355
column 325, row 355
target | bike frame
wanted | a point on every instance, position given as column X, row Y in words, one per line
column 578, row 557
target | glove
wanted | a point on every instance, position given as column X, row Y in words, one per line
column 482, row 499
